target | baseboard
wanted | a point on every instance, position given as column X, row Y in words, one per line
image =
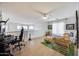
column 38, row 37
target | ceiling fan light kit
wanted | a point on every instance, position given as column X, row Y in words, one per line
column 44, row 17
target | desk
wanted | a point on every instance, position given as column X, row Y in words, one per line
column 9, row 38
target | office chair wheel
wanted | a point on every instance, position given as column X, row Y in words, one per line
column 19, row 48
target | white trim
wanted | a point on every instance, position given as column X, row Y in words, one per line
column 78, row 52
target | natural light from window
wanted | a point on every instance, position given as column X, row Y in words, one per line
column 58, row 28
column 25, row 27
column 31, row 27
column 18, row 27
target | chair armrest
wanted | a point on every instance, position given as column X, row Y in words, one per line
column 16, row 37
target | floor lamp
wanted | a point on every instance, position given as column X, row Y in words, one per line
column 77, row 29
column 77, row 32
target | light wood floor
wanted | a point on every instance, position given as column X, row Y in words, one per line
column 35, row 48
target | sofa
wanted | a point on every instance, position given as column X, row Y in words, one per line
column 63, row 45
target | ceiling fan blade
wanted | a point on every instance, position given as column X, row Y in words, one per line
column 37, row 11
column 50, row 12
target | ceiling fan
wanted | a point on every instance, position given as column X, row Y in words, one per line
column 47, row 15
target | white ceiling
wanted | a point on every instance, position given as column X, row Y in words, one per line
column 26, row 9
column 28, row 6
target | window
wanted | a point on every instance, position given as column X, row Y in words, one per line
column 18, row 27
column 25, row 27
column 58, row 28
column 31, row 27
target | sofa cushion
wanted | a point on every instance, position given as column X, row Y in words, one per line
column 63, row 42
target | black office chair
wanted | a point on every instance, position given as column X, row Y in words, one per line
column 18, row 40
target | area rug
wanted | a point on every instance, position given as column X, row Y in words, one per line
column 70, row 51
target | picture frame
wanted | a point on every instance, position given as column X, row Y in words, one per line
column 50, row 27
column 70, row 26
